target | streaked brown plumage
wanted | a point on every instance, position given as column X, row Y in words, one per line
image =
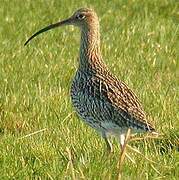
column 101, row 100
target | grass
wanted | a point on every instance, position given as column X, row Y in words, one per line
column 140, row 44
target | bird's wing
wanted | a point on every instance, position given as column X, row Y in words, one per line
column 121, row 97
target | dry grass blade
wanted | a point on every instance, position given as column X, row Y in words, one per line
column 34, row 133
column 130, row 158
column 70, row 163
column 123, row 153
column 138, row 152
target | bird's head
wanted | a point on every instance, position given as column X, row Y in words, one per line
column 83, row 18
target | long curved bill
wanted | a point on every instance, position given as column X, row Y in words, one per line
column 52, row 26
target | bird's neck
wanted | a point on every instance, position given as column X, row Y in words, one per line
column 90, row 54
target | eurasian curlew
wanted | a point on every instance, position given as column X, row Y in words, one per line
column 101, row 100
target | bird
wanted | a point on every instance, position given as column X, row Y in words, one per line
column 101, row 100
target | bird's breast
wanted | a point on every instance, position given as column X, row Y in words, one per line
column 81, row 90
column 86, row 101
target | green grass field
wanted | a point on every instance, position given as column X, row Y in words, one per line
column 41, row 137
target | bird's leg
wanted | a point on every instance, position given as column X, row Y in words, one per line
column 122, row 140
column 108, row 143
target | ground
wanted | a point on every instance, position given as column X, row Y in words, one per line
column 40, row 135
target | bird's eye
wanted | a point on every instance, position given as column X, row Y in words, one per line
column 80, row 16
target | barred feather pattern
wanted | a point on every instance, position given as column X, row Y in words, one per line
column 101, row 103
column 101, row 100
